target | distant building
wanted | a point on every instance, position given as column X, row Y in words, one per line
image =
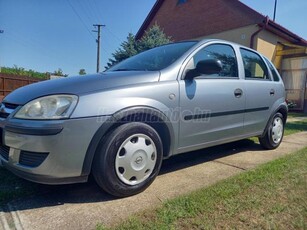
column 234, row 21
column 55, row 76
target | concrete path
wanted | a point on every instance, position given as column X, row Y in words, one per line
column 82, row 206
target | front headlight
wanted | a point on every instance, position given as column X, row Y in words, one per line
column 49, row 107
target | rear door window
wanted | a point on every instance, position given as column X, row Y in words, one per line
column 254, row 66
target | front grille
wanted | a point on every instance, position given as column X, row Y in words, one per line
column 9, row 105
column 4, row 115
column 6, row 109
column 32, row 159
column 4, row 152
column 1, row 136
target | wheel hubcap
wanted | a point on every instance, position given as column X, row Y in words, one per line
column 136, row 159
column 277, row 130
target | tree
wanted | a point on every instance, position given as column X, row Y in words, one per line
column 20, row 71
column 152, row 38
column 58, row 72
column 128, row 48
column 82, row 72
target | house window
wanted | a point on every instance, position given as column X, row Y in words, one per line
column 181, row 2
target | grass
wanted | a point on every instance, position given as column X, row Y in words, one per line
column 294, row 115
column 291, row 128
column 12, row 187
column 295, row 127
column 272, row 196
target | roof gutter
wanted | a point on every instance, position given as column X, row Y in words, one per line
column 258, row 31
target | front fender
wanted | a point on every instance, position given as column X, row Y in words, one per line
column 145, row 114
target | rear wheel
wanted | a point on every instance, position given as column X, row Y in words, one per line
column 128, row 159
column 274, row 133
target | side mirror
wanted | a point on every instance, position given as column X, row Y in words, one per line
column 210, row 66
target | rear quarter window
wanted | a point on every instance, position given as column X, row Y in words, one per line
column 273, row 70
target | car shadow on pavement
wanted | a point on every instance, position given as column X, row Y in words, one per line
column 89, row 192
column 189, row 159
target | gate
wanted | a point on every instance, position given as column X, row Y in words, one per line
column 294, row 72
column 10, row 82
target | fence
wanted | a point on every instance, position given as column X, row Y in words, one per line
column 10, row 82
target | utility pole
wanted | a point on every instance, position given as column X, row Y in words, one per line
column 98, row 43
column 275, row 6
column 1, row 32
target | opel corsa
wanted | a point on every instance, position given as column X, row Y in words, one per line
column 120, row 124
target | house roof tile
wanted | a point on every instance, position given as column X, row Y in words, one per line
column 242, row 15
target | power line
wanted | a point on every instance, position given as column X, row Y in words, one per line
column 114, row 35
column 91, row 11
column 33, row 49
column 86, row 11
column 94, row 8
column 32, row 42
column 81, row 20
column 97, row 8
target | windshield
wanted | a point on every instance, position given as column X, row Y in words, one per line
column 154, row 59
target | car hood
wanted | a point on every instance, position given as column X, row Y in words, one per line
column 80, row 85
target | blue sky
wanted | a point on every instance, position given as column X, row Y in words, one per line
column 45, row 35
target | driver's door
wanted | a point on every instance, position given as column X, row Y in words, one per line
column 212, row 106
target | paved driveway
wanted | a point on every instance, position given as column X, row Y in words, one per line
column 82, row 206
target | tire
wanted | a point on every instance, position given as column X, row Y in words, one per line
column 128, row 159
column 274, row 133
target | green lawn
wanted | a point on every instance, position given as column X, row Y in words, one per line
column 12, row 187
column 295, row 127
column 291, row 128
column 293, row 115
column 272, row 196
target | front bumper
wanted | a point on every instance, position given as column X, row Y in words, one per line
column 50, row 152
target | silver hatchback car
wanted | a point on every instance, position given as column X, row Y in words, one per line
column 120, row 124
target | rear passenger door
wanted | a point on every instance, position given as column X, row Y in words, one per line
column 260, row 92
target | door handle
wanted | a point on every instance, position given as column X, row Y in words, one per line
column 238, row 93
column 272, row 92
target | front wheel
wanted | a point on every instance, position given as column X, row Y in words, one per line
column 274, row 133
column 128, row 159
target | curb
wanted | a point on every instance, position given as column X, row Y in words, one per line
column 3, row 221
column 10, row 219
